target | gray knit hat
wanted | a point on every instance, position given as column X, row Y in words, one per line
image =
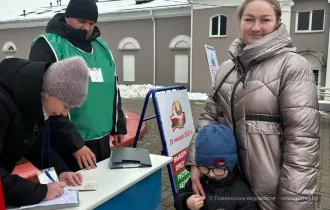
column 67, row 80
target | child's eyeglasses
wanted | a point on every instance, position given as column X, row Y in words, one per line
column 216, row 171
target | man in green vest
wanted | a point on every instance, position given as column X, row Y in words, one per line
column 83, row 136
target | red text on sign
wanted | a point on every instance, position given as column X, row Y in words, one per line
column 178, row 161
column 181, row 137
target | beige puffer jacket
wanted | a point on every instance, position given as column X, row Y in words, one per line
column 269, row 91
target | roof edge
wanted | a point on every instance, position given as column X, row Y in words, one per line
column 162, row 12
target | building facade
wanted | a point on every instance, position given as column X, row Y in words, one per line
column 162, row 42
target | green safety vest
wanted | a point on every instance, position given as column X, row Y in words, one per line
column 94, row 119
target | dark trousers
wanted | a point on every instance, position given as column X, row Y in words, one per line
column 100, row 147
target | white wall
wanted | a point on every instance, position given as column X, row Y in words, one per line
column 286, row 12
column 327, row 80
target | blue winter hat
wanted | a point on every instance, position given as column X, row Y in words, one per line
column 215, row 146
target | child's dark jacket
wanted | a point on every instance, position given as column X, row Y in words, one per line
column 230, row 193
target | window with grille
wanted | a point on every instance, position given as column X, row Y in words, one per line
column 310, row 21
column 316, row 74
column 218, row 26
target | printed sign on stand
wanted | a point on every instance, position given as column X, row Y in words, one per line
column 178, row 128
column 212, row 61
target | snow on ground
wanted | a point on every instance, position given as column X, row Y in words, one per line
column 140, row 91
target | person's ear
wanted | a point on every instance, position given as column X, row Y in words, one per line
column 279, row 22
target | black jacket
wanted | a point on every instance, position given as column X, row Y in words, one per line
column 22, row 128
column 65, row 131
column 220, row 194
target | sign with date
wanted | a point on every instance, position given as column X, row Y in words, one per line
column 178, row 126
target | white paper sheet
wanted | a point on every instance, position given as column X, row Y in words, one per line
column 90, row 182
column 69, row 197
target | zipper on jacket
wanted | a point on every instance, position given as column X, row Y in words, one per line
column 232, row 104
column 232, row 98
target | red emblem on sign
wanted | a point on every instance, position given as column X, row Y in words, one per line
column 178, row 118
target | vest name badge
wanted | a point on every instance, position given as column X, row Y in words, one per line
column 96, row 74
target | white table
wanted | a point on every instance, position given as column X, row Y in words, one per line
column 133, row 188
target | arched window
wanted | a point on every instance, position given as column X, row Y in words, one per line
column 9, row 49
column 128, row 45
column 218, row 26
column 180, row 42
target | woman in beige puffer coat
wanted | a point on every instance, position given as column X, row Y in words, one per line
column 266, row 94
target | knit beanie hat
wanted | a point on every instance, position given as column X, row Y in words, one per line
column 215, row 146
column 83, row 9
column 67, row 80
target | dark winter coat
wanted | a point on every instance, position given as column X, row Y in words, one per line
column 22, row 128
column 230, row 193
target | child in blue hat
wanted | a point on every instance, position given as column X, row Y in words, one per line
column 216, row 157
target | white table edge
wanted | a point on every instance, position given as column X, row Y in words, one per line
column 102, row 201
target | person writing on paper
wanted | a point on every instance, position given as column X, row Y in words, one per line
column 86, row 134
column 30, row 92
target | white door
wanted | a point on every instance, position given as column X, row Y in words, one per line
column 181, row 74
column 129, row 68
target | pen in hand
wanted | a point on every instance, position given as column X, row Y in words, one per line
column 49, row 176
column 94, row 163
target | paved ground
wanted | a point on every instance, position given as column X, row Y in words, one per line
column 151, row 140
column 323, row 182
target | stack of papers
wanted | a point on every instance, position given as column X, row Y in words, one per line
column 67, row 200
